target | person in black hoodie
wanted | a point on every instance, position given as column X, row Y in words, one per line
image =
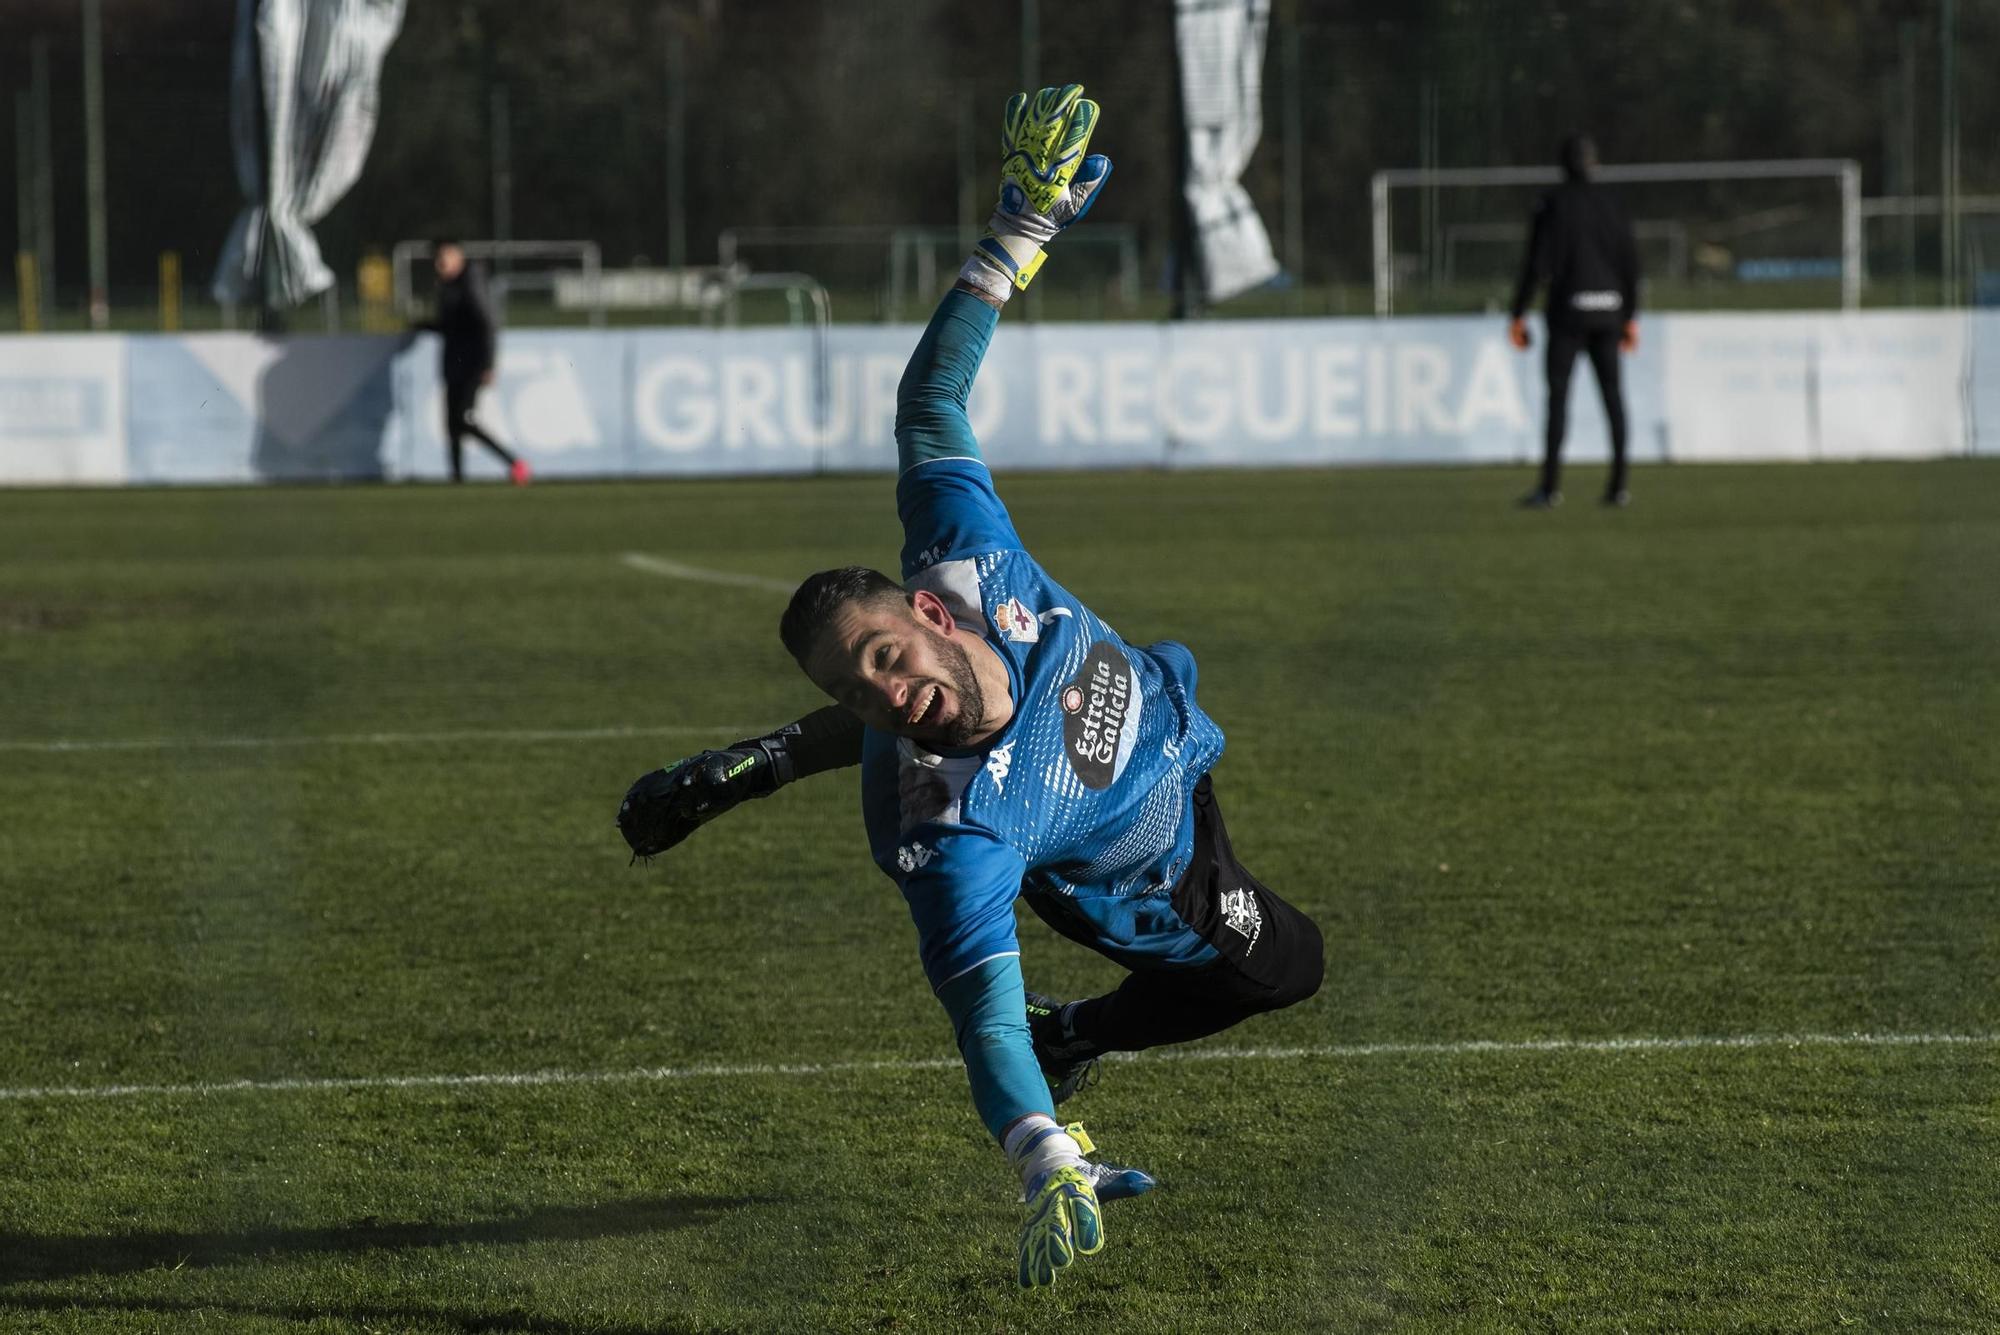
column 1581, row 246
column 465, row 323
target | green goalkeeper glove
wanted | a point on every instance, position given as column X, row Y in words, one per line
column 1064, row 1193
column 1063, row 1224
column 1046, row 183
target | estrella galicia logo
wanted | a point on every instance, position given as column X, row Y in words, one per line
column 1100, row 716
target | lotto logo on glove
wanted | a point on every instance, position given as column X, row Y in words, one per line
column 668, row 805
column 1063, row 1224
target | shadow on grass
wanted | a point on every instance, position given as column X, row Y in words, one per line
column 364, row 1316
column 28, row 1256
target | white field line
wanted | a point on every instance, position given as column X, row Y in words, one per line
column 660, row 565
column 815, row 1070
column 655, row 565
column 59, row 745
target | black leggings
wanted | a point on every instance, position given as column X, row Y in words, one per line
column 1602, row 347
column 1270, row 955
column 460, row 392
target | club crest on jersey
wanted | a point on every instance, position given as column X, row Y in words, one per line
column 1100, row 715
column 1015, row 620
column 1241, row 914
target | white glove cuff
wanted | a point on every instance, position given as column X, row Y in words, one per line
column 985, row 274
column 1037, row 1146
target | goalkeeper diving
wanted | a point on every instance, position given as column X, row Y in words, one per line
column 1011, row 744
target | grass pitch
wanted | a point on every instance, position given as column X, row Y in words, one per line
column 312, row 790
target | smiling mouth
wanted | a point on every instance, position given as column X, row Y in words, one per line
column 928, row 711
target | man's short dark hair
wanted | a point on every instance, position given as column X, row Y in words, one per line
column 1577, row 157
column 824, row 594
column 439, row 243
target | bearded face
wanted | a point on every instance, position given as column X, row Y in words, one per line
column 897, row 672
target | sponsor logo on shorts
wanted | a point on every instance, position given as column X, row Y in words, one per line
column 912, row 856
column 1015, row 620
column 1100, row 716
column 1241, row 914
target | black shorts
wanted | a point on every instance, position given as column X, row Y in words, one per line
column 1269, row 950
column 1269, row 955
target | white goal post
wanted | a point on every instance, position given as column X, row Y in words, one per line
column 912, row 254
column 1845, row 173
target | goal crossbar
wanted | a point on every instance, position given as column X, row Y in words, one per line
column 586, row 255
column 1844, row 172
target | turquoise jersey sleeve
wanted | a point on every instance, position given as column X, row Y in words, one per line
column 944, row 494
column 931, row 422
column 988, row 1009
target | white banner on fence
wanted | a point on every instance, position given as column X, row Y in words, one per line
column 62, row 410
column 304, row 77
column 1221, row 49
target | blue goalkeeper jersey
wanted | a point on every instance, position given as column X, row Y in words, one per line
column 1083, row 803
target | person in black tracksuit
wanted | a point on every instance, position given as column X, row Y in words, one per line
column 1581, row 245
column 465, row 323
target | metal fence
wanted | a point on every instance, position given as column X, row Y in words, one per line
column 653, row 131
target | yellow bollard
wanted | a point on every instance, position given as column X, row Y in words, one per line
column 374, row 284
column 170, row 290
column 28, row 283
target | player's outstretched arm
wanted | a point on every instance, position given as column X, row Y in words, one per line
column 1062, row 1190
column 668, row 805
column 1047, row 183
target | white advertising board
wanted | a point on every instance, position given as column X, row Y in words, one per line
column 62, row 410
column 1876, row 385
column 1205, row 394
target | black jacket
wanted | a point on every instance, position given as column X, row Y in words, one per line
column 1581, row 246
column 465, row 321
